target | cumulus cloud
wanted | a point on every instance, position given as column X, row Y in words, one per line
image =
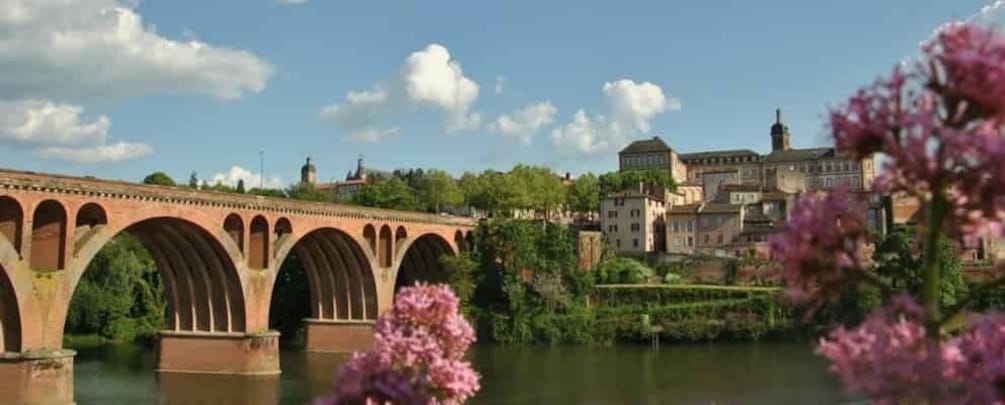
column 429, row 79
column 98, row 154
column 96, row 49
column 523, row 124
column 58, row 55
column 45, row 122
column 251, row 179
column 373, row 134
column 631, row 107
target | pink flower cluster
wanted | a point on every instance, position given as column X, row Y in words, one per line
column 889, row 360
column 417, row 357
column 939, row 125
column 821, row 247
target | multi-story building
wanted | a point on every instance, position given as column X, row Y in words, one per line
column 704, row 228
column 633, row 221
column 342, row 190
column 652, row 154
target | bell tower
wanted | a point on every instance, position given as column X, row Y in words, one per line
column 307, row 173
column 780, row 133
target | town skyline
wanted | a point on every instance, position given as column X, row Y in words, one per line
column 284, row 99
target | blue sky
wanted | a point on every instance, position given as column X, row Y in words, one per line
column 206, row 85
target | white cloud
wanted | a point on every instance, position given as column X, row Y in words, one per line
column 524, row 123
column 499, row 84
column 251, row 179
column 292, row 1
column 631, row 108
column 100, row 49
column 373, row 134
column 98, row 154
column 429, row 79
column 45, row 122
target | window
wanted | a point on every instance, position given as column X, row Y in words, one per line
column 612, row 214
column 690, row 241
column 719, row 238
column 706, row 238
column 635, row 242
column 828, row 182
column 676, row 226
column 618, row 243
column 636, row 227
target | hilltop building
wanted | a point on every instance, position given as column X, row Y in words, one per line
column 727, row 201
column 343, row 190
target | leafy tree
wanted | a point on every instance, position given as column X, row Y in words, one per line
column 437, row 188
column 219, row 187
column 159, row 178
column 306, row 192
column 240, row 186
column 390, row 194
column 583, row 195
column 268, row 192
column 193, row 180
column 621, row 181
column 461, row 277
column 622, row 270
column 119, row 296
column 898, row 259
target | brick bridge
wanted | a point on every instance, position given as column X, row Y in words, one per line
column 217, row 254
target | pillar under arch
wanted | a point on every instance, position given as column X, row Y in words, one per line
column 343, row 291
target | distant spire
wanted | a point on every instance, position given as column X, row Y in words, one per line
column 778, row 115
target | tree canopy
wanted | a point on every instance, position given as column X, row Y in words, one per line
column 159, row 178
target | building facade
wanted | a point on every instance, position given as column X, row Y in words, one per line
column 634, row 221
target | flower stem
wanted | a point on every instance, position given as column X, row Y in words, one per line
column 930, row 269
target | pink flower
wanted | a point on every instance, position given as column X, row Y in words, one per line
column 820, row 247
column 888, row 358
column 417, row 355
column 972, row 61
column 981, row 361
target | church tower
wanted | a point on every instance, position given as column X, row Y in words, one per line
column 779, row 134
column 360, row 169
column 307, row 173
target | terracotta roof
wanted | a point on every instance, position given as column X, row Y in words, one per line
column 717, row 153
column 740, row 187
column 706, row 208
column 647, row 145
column 798, row 155
column 632, row 194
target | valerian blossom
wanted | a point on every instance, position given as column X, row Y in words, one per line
column 939, row 123
column 822, row 247
column 417, row 357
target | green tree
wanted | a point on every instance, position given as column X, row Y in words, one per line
column 159, row 178
column 307, row 192
column 437, row 189
column 898, row 259
column 119, row 296
column 583, row 195
column 630, row 180
column 193, row 180
column 390, row 194
column 240, row 186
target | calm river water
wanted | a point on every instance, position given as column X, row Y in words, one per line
column 687, row 374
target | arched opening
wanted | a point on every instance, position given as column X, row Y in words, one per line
column 330, row 268
column 283, row 227
column 48, row 236
column 11, row 218
column 10, row 318
column 90, row 218
column 459, row 239
column 422, row 262
column 370, row 234
column 400, row 235
column 258, row 243
column 385, row 246
column 157, row 274
column 234, row 227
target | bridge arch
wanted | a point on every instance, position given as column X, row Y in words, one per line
column 11, row 221
column 258, row 243
column 233, row 225
column 339, row 275
column 201, row 284
column 10, row 316
column 48, row 236
column 385, row 246
column 420, row 260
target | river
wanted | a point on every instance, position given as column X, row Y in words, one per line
column 748, row 373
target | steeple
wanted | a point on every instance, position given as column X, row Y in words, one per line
column 360, row 169
column 307, row 173
column 779, row 133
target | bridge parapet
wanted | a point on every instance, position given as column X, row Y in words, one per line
column 53, row 183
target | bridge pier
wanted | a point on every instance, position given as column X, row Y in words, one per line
column 337, row 336
column 219, row 353
column 37, row 377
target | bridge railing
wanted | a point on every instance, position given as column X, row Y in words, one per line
column 183, row 195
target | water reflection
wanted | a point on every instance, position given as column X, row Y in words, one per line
column 689, row 374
